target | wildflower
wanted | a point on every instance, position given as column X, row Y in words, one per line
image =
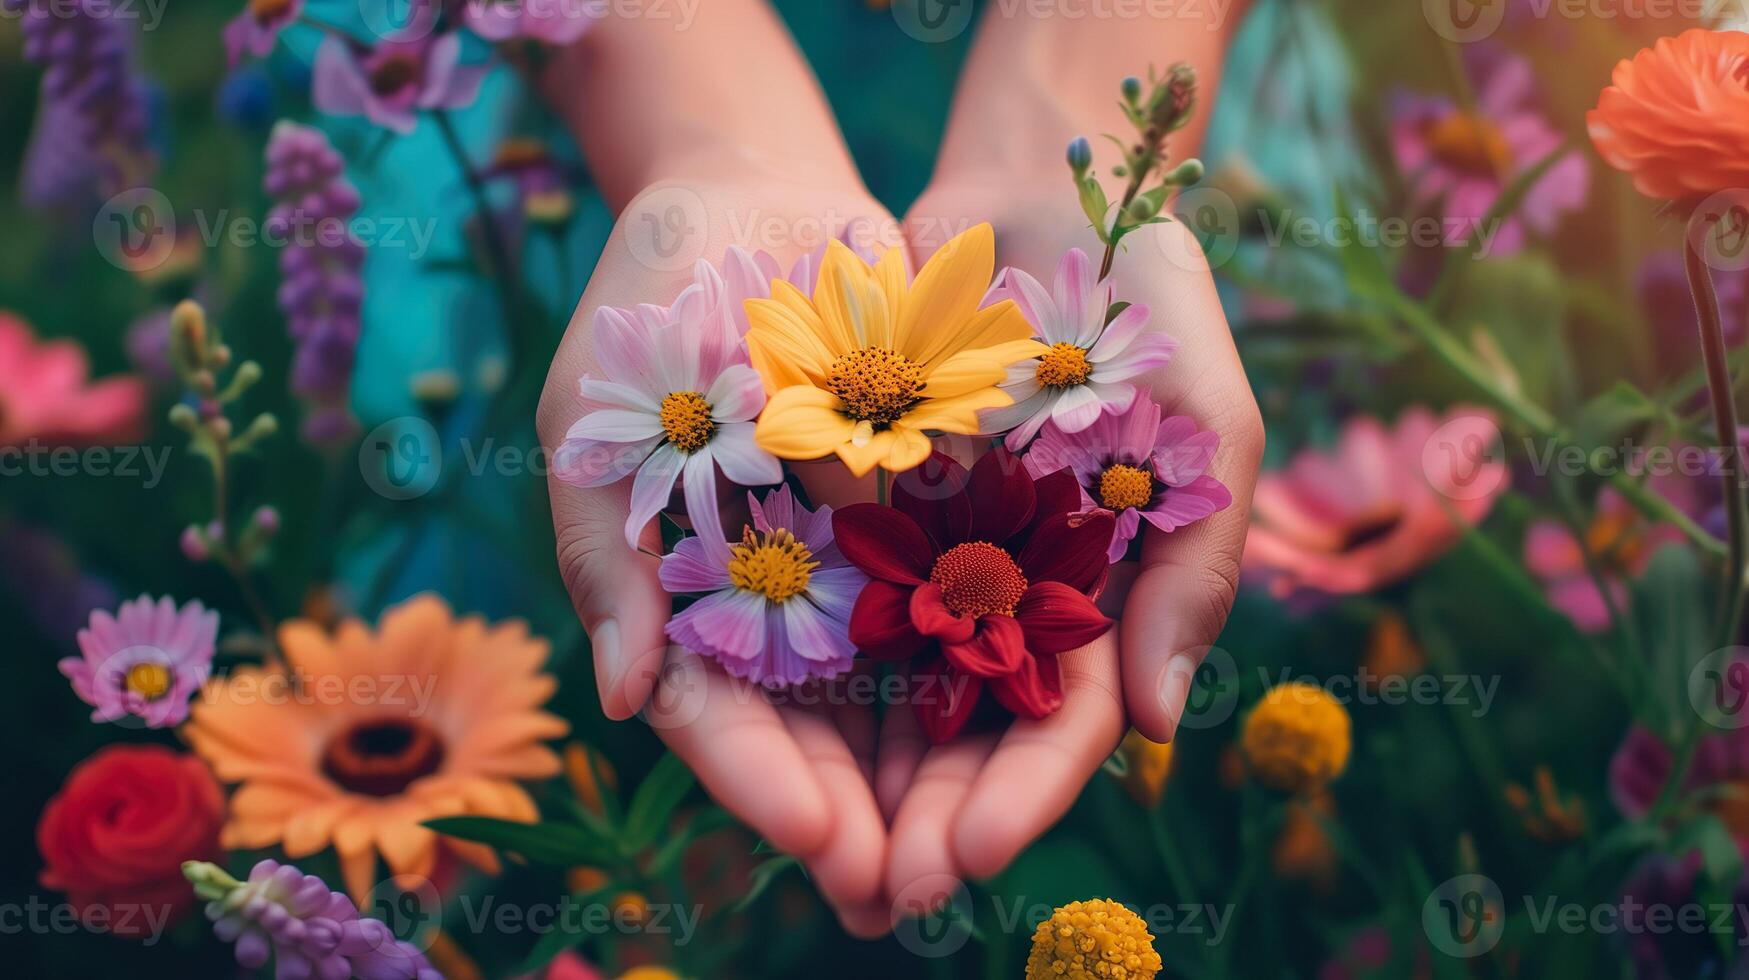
column 46, row 393
column 1675, row 117
column 322, row 287
column 1617, row 541
column 681, row 404
column 1467, row 156
column 455, row 723
column 1296, row 739
column 390, row 82
column 1092, row 940
column 255, row 30
column 1302, row 850
column 869, row 365
column 1147, row 765
column 1138, row 467
column 1090, row 365
column 778, row 601
column 145, row 661
column 307, row 929
column 1391, row 651
column 1371, row 511
column 1643, row 763
column 1547, row 817
column 984, row 579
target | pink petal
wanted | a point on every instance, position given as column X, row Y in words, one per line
column 652, row 488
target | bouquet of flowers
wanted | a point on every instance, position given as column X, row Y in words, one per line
column 977, row 572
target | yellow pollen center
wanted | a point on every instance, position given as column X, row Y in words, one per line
column 686, row 418
column 1613, row 540
column 1122, row 485
column 149, row 680
column 979, row 579
column 1063, row 366
column 875, row 384
column 1470, row 143
column 775, row 565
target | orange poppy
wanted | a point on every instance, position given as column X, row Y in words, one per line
column 1676, row 116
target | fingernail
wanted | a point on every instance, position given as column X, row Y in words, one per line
column 604, row 641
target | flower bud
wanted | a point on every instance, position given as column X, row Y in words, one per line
column 1132, row 88
column 188, row 336
column 267, row 520
column 1142, row 208
column 1080, row 155
column 194, row 544
column 1174, row 99
column 183, row 417
column 1188, row 172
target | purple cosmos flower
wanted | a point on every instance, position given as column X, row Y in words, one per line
column 1468, row 156
column 1139, row 467
column 321, row 289
column 778, row 609
column 308, row 929
column 681, row 403
column 555, row 22
column 256, row 29
column 390, row 82
column 1088, row 369
column 146, row 660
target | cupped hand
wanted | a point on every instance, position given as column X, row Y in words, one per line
column 967, row 808
column 794, row 768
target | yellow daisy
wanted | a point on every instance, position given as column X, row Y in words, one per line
column 870, row 364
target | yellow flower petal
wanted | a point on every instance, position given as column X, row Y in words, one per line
column 964, row 372
column 992, row 326
column 909, row 448
column 958, row 414
column 863, row 457
column 946, row 294
column 802, row 422
column 851, row 304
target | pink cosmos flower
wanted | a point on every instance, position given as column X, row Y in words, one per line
column 147, row 660
column 256, row 29
column 555, row 22
column 1137, row 466
column 1621, row 546
column 1468, row 156
column 390, row 82
column 1376, row 508
column 681, row 404
column 46, row 393
column 1088, row 368
column 778, row 608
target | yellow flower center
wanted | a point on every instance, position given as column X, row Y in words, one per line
column 149, row 680
column 1063, row 366
column 774, row 565
column 1122, row 485
column 979, row 579
column 1470, row 143
column 686, row 418
column 266, row 11
column 875, row 384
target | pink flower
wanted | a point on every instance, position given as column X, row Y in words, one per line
column 681, row 403
column 147, row 660
column 1088, row 369
column 778, row 608
column 555, row 22
column 1642, row 764
column 749, row 275
column 1137, row 466
column 389, row 82
column 256, row 29
column 1373, row 510
column 45, row 393
column 1619, row 544
column 1468, row 156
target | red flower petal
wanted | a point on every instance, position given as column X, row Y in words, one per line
column 996, row 649
column 934, row 495
column 944, row 699
column 931, row 617
column 1056, row 618
column 883, row 543
column 1034, row 691
column 1002, row 497
column 1057, row 493
column 880, row 622
column 1070, row 548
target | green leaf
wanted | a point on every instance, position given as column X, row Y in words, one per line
column 655, row 800
column 562, row 844
column 1362, row 267
column 708, row 822
column 761, row 879
column 1606, row 418
column 1094, row 204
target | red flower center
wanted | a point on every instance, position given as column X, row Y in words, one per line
column 978, row 579
column 383, row 757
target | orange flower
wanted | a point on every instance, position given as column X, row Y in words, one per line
column 430, row 716
column 1676, row 116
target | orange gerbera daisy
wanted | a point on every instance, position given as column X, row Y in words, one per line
column 374, row 733
column 1676, row 116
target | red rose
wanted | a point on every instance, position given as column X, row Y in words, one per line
column 983, row 578
column 115, row 837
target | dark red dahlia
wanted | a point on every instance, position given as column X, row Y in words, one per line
column 980, row 579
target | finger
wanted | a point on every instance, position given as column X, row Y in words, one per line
column 868, row 920
column 848, row 868
column 921, row 870
column 901, row 751
column 745, row 756
column 1041, row 765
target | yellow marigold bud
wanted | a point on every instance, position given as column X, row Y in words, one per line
column 1148, row 764
column 1092, row 940
column 1296, row 739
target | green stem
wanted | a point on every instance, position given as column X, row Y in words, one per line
column 497, row 251
column 1139, row 170
column 1718, row 375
